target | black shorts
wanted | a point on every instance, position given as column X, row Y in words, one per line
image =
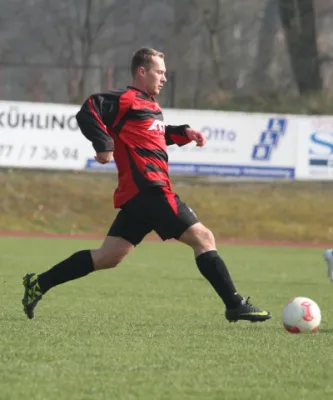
column 152, row 210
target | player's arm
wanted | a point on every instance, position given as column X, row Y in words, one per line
column 96, row 113
column 183, row 134
column 176, row 134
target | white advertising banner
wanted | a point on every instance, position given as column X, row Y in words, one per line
column 37, row 135
column 315, row 148
column 239, row 144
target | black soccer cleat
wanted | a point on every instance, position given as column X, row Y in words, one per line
column 247, row 312
column 32, row 294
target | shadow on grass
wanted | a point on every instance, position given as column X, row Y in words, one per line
column 326, row 331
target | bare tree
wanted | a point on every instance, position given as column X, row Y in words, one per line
column 298, row 20
column 265, row 49
column 231, row 34
column 213, row 20
column 137, row 24
column 11, row 21
column 70, row 34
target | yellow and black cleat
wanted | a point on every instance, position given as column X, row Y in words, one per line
column 247, row 312
column 32, row 294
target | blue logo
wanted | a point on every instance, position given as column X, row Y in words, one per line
column 321, row 149
column 322, row 143
column 269, row 139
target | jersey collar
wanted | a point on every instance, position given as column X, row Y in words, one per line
column 146, row 96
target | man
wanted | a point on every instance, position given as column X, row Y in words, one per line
column 328, row 257
column 127, row 125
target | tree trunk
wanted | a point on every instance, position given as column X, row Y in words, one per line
column 212, row 19
column 298, row 22
column 265, row 49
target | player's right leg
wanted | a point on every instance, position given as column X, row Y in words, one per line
column 328, row 257
column 124, row 234
column 78, row 265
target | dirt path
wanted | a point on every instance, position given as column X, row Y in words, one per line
column 152, row 238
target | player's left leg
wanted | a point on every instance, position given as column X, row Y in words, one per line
column 328, row 257
column 213, row 268
column 171, row 218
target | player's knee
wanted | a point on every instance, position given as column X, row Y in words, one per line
column 205, row 241
column 206, row 238
column 111, row 253
column 200, row 238
column 104, row 260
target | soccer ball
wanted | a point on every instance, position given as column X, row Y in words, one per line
column 301, row 315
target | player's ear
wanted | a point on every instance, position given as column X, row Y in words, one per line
column 142, row 71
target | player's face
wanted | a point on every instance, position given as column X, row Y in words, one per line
column 155, row 77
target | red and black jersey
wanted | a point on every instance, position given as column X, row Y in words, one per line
column 130, row 123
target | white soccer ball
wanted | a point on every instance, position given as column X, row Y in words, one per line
column 301, row 315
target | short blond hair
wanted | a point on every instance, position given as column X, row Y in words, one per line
column 143, row 58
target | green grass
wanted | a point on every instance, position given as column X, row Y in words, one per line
column 153, row 329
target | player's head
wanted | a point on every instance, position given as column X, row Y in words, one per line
column 148, row 70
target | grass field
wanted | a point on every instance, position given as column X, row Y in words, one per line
column 153, row 329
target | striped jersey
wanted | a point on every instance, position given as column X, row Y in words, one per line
column 130, row 123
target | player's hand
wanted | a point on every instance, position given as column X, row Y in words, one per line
column 197, row 136
column 104, row 157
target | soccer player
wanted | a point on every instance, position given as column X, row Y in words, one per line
column 127, row 126
column 328, row 257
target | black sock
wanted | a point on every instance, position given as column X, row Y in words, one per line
column 76, row 266
column 213, row 268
